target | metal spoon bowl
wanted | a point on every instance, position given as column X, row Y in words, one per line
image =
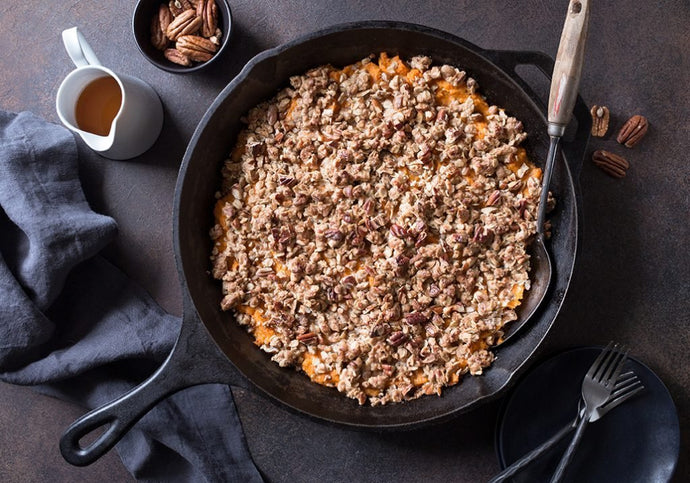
column 541, row 269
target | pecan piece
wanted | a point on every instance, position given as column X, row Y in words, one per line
column 184, row 24
column 600, row 120
column 483, row 235
column 515, row 186
column 196, row 48
column 398, row 231
column 380, row 329
column 207, row 10
column 522, row 208
column 375, row 223
column 459, row 238
column 424, row 154
column 416, row 318
column 434, row 290
column 308, row 338
column 349, row 281
column 334, row 234
column 403, row 265
column 397, row 338
column 287, row 181
column 418, row 227
column 174, row 55
column 610, row 163
column 632, row 131
column 300, row 199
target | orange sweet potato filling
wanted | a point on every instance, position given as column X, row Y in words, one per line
column 445, row 94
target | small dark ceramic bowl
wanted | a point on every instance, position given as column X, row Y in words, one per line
column 141, row 25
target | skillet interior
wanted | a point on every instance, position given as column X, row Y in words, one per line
column 200, row 179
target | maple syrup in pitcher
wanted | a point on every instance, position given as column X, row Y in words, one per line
column 97, row 105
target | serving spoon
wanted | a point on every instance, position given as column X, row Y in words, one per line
column 562, row 96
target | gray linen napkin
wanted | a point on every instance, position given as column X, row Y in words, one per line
column 77, row 328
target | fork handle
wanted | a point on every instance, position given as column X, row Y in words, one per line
column 534, row 454
column 570, row 451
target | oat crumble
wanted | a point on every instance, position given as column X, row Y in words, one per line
column 372, row 227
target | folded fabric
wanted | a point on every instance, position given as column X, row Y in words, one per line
column 76, row 327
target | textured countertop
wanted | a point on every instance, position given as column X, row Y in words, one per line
column 632, row 277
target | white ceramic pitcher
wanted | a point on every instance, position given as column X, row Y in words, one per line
column 138, row 122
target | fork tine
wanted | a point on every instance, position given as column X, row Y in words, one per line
column 610, row 362
column 610, row 354
column 616, row 366
column 624, row 396
column 597, row 363
column 626, row 376
column 622, row 388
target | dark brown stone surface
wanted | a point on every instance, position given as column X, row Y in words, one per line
column 632, row 281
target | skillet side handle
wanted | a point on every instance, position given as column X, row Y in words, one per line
column 574, row 145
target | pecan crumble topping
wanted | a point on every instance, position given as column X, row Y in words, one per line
column 372, row 227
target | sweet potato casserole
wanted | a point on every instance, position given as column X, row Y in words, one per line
column 372, row 227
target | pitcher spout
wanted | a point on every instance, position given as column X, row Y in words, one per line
column 98, row 143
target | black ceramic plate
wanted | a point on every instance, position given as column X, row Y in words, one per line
column 637, row 441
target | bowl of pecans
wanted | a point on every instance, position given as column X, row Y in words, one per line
column 181, row 36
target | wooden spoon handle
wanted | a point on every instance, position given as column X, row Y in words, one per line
column 568, row 68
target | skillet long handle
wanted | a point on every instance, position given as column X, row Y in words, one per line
column 120, row 415
column 568, row 68
column 194, row 360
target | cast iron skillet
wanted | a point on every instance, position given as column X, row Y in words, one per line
column 211, row 348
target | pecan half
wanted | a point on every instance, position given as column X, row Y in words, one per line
column 632, row 131
column 493, row 198
column 196, row 48
column 207, row 10
column 610, row 163
column 158, row 37
column 184, row 24
column 600, row 120
column 165, row 16
column 174, row 55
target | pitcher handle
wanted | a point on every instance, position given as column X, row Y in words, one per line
column 78, row 48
